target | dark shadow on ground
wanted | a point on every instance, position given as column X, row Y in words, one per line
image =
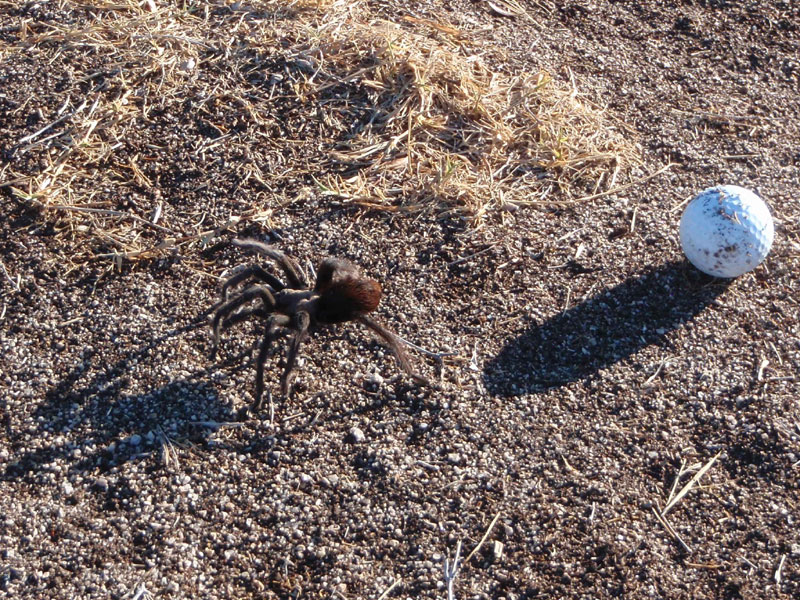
column 99, row 426
column 602, row 330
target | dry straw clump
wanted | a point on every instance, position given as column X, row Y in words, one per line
column 121, row 59
column 392, row 116
column 438, row 128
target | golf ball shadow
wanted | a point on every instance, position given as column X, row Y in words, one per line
column 602, row 330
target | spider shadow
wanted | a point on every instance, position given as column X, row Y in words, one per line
column 602, row 330
column 376, row 402
column 98, row 425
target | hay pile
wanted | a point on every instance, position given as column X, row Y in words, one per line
column 290, row 99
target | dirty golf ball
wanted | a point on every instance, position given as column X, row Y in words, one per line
column 726, row 231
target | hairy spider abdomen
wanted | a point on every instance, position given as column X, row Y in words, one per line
column 346, row 298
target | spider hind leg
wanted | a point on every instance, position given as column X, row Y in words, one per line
column 301, row 325
column 275, row 324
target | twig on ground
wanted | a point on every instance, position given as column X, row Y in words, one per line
column 779, row 569
column 36, row 134
column 15, row 284
column 469, row 256
column 451, row 571
column 650, row 379
column 141, row 593
column 568, row 466
column 217, row 424
column 622, row 188
column 670, row 530
column 437, row 355
column 113, row 213
column 763, row 365
column 271, row 409
column 675, row 481
column 388, row 590
column 427, row 465
column 750, row 564
column 692, row 482
column 168, row 452
column 709, row 566
column 483, row 539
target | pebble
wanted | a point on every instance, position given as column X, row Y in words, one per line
column 356, row 436
column 374, row 379
column 497, row 550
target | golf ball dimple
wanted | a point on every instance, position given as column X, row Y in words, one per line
column 726, row 231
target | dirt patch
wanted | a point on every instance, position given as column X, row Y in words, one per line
column 585, row 374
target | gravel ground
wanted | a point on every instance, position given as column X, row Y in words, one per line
column 584, row 373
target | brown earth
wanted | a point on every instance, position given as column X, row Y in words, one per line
column 585, row 372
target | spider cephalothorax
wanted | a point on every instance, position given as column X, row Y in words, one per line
column 341, row 293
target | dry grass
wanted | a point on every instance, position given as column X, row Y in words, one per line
column 393, row 116
column 440, row 129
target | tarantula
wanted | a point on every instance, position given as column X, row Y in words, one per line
column 341, row 293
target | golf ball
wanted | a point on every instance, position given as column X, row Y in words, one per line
column 726, row 231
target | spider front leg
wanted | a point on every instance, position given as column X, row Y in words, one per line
column 256, row 291
column 290, row 268
column 395, row 346
column 253, row 271
column 303, row 320
column 276, row 322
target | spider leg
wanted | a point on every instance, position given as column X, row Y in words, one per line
column 241, row 315
column 289, row 266
column 395, row 346
column 255, row 291
column 301, row 325
column 253, row 271
column 276, row 322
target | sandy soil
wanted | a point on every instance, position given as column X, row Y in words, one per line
column 585, row 373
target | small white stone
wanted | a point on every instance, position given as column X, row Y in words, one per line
column 374, row 379
column 497, row 550
column 357, row 436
